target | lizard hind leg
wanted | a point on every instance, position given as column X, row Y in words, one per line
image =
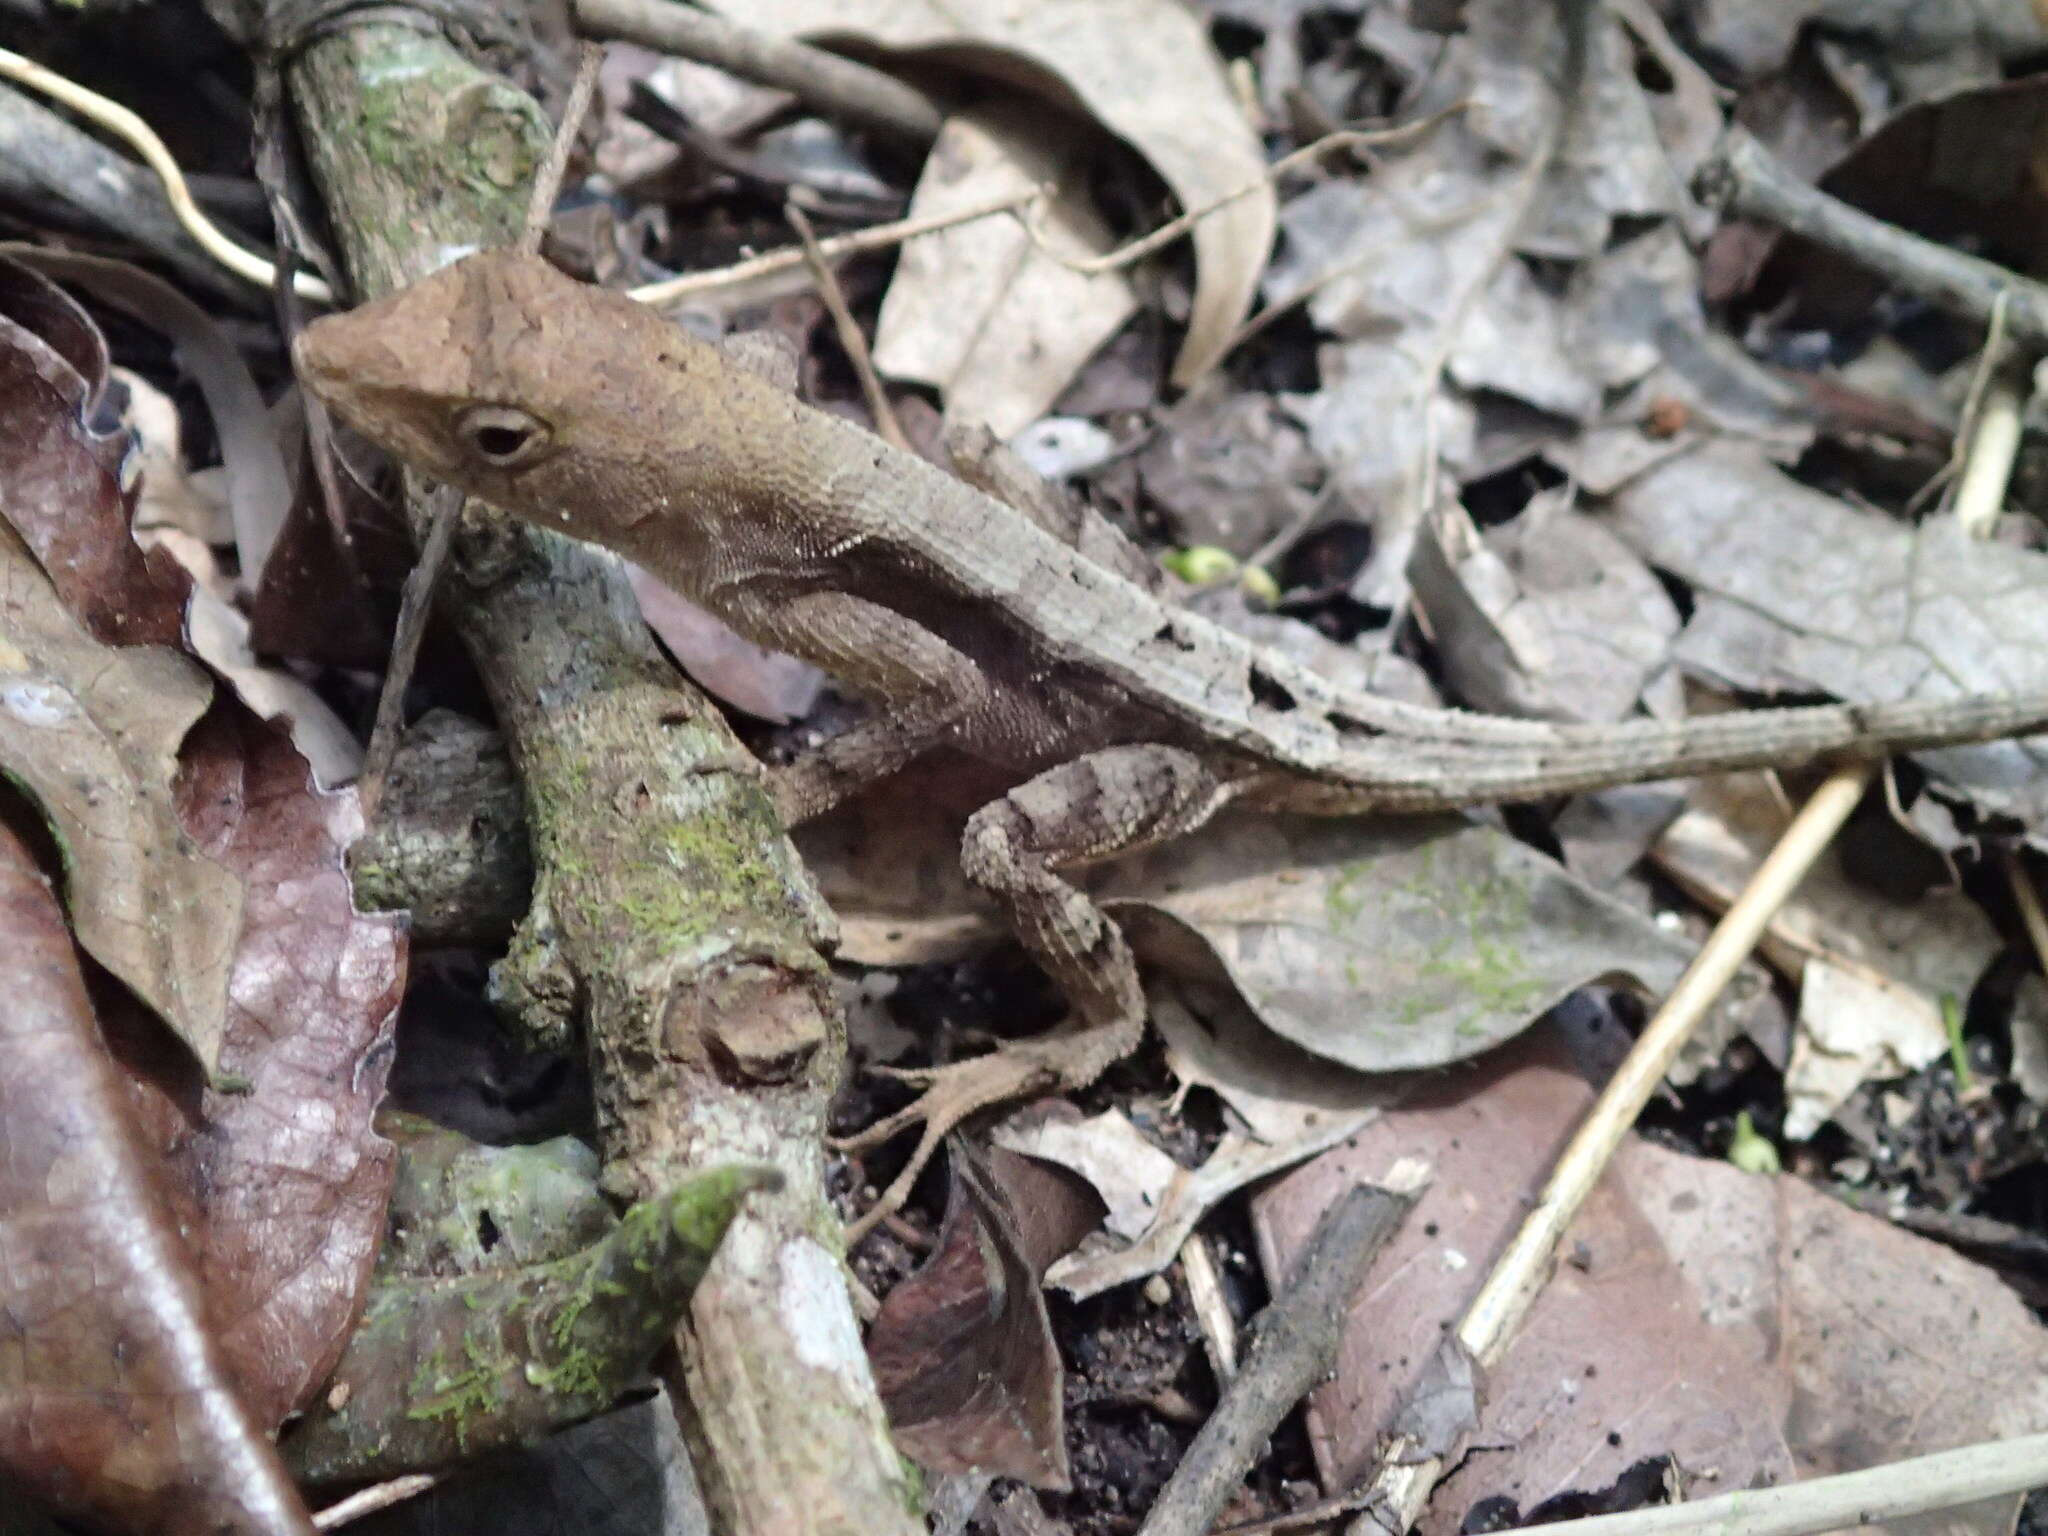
column 1115, row 800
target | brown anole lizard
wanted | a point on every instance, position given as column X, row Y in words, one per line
column 967, row 622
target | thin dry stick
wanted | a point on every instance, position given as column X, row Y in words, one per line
column 369, row 1500
column 836, row 87
column 1943, row 1480
column 850, row 338
column 1977, row 454
column 1745, row 180
column 875, row 238
column 1518, row 1276
column 1292, row 1346
column 138, row 135
column 1991, row 453
column 2028, row 899
column 1173, row 229
column 1875, row 1496
column 415, row 606
column 416, row 602
column 547, row 184
column 1994, row 445
column 1207, row 1301
column 245, row 264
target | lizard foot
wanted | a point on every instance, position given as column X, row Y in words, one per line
column 952, row 1093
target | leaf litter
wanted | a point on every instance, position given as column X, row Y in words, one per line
column 1549, row 482
column 261, row 1159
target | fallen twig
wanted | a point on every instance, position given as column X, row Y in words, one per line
column 1982, row 455
column 245, row 264
column 2028, row 899
column 1137, row 250
column 45, row 157
column 415, row 607
column 851, row 341
column 876, row 237
column 1292, row 1345
column 650, row 829
column 449, row 842
column 1207, row 1301
column 368, row 1501
column 547, row 181
column 1944, row 1480
column 416, row 601
column 1745, row 180
column 836, row 87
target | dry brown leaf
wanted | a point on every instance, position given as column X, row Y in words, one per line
column 1142, row 68
column 1550, row 616
column 1153, row 1203
column 116, row 1403
column 1750, row 1327
column 1800, row 591
column 962, row 1350
column 258, row 485
column 93, row 732
column 1384, row 944
column 981, row 312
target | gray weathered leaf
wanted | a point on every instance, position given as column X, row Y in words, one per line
column 1797, row 591
column 1381, row 944
column 1550, row 615
column 981, row 312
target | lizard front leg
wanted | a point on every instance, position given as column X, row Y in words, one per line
column 920, row 685
column 1113, row 801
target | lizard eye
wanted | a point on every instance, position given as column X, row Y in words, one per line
column 503, row 436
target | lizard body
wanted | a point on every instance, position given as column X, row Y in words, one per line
column 967, row 621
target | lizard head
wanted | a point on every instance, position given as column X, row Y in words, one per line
column 501, row 376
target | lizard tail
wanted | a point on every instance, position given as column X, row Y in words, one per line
column 1586, row 757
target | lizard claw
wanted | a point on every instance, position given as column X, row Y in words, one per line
column 950, row 1095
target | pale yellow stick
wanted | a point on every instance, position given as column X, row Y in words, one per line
column 245, row 264
column 2028, row 900
column 1173, row 229
column 1518, row 1277
column 876, row 238
column 118, row 120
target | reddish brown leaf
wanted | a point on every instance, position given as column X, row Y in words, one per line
column 248, row 1220
column 1749, row 1327
column 962, row 1350
column 323, row 599
column 288, row 1180
column 115, row 1402
column 63, row 496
